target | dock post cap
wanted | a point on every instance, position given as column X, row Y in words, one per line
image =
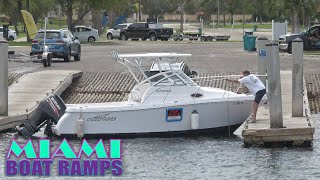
column 297, row 40
column 262, row 38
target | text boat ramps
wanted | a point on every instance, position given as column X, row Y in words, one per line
column 167, row 102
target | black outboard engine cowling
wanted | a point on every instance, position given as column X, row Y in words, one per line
column 49, row 109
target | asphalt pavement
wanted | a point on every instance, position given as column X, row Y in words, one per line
column 206, row 57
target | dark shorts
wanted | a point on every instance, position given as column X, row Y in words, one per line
column 259, row 95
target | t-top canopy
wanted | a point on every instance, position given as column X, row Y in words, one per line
column 153, row 55
column 135, row 62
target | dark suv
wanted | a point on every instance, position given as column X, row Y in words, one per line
column 61, row 44
column 309, row 36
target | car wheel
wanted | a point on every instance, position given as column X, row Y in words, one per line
column 144, row 39
column 290, row 48
column 91, row 39
column 109, row 36
column 209, row 38
column 78, row 56
column 153, row 37
column 203, row 39
column 11, row 38
column 67, row 57
column 45, row 62
column 123, row 37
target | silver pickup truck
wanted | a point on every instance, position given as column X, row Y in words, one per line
column 115, row 32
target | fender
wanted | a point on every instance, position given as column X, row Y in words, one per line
column 152, row 32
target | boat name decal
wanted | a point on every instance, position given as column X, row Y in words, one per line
column 104, row 117
column 163, row 90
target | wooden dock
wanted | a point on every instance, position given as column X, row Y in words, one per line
column 24, row 94
column 297, row 130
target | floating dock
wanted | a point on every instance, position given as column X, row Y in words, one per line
column 297, row 130
column 25, row 94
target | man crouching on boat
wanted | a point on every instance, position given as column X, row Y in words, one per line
column 255, row 86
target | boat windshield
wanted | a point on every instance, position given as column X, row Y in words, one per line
column 177, row 78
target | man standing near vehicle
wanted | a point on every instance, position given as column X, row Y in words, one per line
column 255, row 86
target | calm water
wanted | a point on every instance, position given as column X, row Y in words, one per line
column 204, row 158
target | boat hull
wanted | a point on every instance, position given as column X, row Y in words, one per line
column 221, row 131
column 171, row 118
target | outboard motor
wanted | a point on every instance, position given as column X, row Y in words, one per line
column 48, row 111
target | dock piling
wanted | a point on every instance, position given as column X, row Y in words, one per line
column 262, row 64
column 297, row 78
column 274, row 85
column 3, row 78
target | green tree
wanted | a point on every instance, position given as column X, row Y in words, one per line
column 297, row 11
column 82, row 7
column 39, row 8
column 231, row 7
column 207, row 7
column 12, row 9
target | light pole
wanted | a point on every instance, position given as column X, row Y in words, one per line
column 218, row 19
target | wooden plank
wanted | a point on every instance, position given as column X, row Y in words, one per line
column 258, row 140
column 278, row 132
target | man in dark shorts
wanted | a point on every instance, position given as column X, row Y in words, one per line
column 255, row 86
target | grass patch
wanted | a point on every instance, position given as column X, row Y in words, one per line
column 246, row 26
column 250, row 26
column 311, row 52
column 107, row 43
column 13, row 43
column 185, row 41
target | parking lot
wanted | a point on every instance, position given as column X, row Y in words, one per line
column 206, row 57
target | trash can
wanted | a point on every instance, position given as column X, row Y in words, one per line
column 251, row 43
column 255, row 27
column 245, row 39
column 200, row 31
column 5, row 31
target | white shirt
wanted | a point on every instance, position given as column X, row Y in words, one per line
column 253, row 83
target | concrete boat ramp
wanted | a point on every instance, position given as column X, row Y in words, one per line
column 296, row 130
column 29, row 90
